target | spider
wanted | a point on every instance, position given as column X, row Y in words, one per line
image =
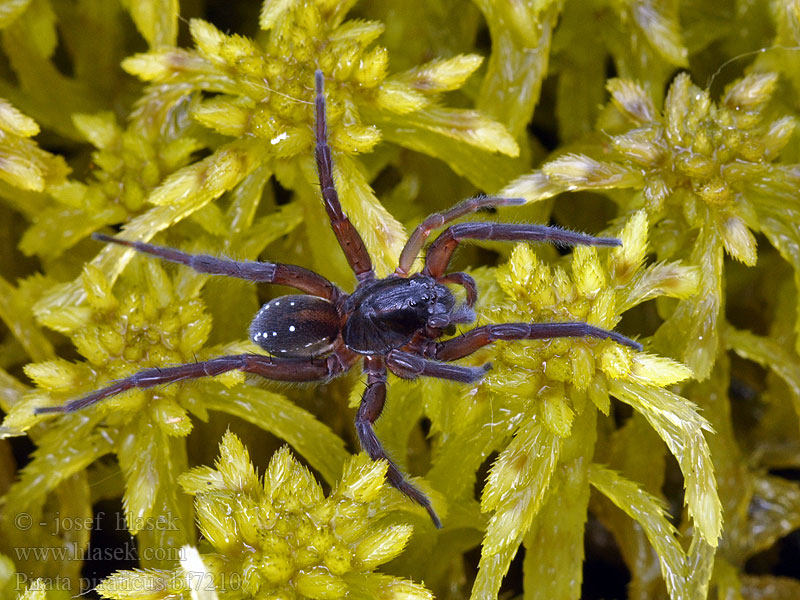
column 391, row 323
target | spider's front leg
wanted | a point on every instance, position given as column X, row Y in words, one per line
column 441, row 250
column 368, row 412
column 270, row 368
column 349, row 239
column 417, row 239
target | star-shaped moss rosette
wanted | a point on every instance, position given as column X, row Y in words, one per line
column 129, row 163
column 151, row 320
column 282, row 537
column 705, row 173
column 538, row 408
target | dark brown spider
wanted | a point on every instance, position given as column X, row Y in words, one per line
column 391, row 323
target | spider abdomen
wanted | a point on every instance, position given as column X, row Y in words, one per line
column 296, row 326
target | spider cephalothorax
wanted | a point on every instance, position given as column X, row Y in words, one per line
column 391, row 323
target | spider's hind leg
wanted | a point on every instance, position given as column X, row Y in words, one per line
column 257, row 364
column 368, row 412
column 249, row 270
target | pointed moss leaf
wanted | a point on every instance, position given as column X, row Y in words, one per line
column 401, row 98
column 677, row 422
column 358, row 30
column 156, row 20
column 631, row 100
column 528, row 461
column 553, row 563
column 556, row 411
column 287, row 481
column 13, row 120
column 492, row 569
column 660, row 24
column 209, row 178
column 362, row 479
column 201, row 480
column 144, row 457
column 140, row 584
column 441, row 74
column 272, row 11
column 15, row 312
column 423, row 133
column 577, row 171
column 751, row 92
column 534, row 187
column 517, row 484
column 651, row 369
column 673, row 280
column 62, row 452
column 627, row 259
column 651, row 514
column 56, row 375
column 383, row 545
column 235, row 467
column 739, row 241
column 691, row 331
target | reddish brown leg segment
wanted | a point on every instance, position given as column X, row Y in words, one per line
column 368, row 412
column 464, row 280
column 411, row 366
column 466, row 344
column 349, row 238
column 436, row 220
column 266, row 272
column 265, row 366
column 442, row 248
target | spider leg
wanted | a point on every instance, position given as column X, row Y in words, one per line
column 469, row 342
column 411, row 366
column 258, row 364
column 349, row 238
column 442, row 248
column 267, row 272
column 436, row 220
column 368, row 412
column 464, row 280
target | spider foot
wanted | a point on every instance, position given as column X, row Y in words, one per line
column 399, row 482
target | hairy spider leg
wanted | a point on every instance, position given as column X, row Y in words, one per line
column 280, row 369
column 442, row 248
column 266, row 272
column 467, row 343
column 349, row 238
column 369, row 410
column 411, row 366
column 423, row 230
